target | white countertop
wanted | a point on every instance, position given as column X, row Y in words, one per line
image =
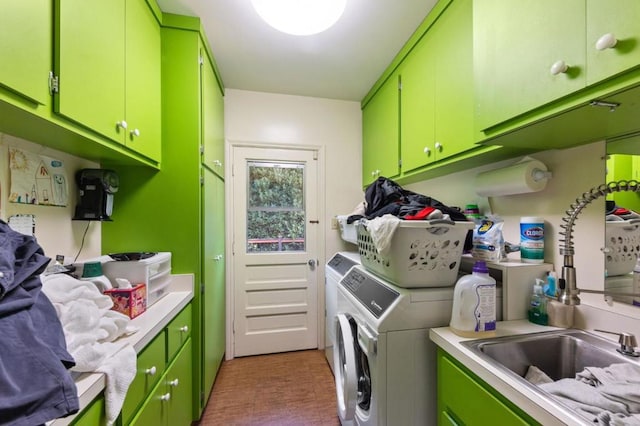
column 150, row 323
column 544, row 410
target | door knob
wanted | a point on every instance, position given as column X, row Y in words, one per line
column 312, row 264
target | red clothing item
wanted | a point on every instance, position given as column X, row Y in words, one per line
column 421, row 215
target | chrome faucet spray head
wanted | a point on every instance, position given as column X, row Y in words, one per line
column 569, row 290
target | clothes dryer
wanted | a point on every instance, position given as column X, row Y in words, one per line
column 335, row 269
column 385, row 364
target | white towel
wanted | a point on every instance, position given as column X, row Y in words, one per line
column 613, row 374
column 381, row 230
column 91, row 330
column 536, row 376
column 583, row 398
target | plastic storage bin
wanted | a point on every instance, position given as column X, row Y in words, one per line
column 154, row 272
column 348, row 231
column 622, row 246
column 423, row 253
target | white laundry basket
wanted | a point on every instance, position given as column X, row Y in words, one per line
column 622, row 246
column 422, row 253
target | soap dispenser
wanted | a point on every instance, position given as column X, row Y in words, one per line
column 538, row 306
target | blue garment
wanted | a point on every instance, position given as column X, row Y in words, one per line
column 35, row 385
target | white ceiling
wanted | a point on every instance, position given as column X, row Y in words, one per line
column 340, row 63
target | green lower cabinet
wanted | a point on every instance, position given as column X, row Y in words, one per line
column 464, row 399
column 93, row 415
column 170, row 401
column 151, row 363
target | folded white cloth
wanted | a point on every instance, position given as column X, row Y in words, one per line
column 536, row 376
column 381, row 230
column 91, row 330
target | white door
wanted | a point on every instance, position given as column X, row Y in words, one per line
column 275, row 247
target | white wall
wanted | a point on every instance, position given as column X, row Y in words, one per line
column 296, row 120
column 55, row 231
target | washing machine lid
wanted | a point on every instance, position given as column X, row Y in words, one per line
column 373, row 295
column 341, row 262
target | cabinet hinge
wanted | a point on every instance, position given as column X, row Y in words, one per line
column 54, row 83
column 400, row 163
column 200, row 60
column 201, row 288
column 201, row 149
column 202, row 399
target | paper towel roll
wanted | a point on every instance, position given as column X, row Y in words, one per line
column 521, row 178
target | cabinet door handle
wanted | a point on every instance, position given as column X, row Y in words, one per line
column 135, row 133
column 427, row 151
column 122, row 124
column 217, row 163
column 184, row 329
column 438, row 146
column 559, row 67
column 607, row 41
column 151, row 371
column 165, row 397
column 174, row 383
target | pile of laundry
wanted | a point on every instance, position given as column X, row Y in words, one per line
column 606, row 396
column 386, row 204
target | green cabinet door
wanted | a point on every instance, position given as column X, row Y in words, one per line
column 619, row 18
column 380, row 133
column 93, row 415
column 436, row 113
column 179, row 382
column 464, row 401
column 213, row 301
column 143, row 85
column 515, row 46
column 212, row 119
column 452, row 40
column 25, row 48
column 89, row 61
column 417, row 106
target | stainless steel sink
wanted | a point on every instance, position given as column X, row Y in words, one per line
column 560, row 354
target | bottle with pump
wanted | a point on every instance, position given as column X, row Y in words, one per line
column 538, row 307
column 474, row 304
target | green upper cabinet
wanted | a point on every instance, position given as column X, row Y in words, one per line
column 417, row 106
column 619, row 19
column 516, row 45
column 380, row 133
column 143, row 106
column 437, row 91
column 213, row 118
column 107, row 57
column 25, row 38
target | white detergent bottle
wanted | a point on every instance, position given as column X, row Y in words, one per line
column 474, row 304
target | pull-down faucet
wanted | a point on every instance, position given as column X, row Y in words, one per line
column 567, row 283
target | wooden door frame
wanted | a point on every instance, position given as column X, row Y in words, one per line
column 230, row 224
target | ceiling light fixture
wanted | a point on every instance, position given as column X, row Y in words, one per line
column 300, row 17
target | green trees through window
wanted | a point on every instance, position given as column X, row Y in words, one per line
column 275, row 207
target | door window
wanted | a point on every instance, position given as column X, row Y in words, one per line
column 276, row 215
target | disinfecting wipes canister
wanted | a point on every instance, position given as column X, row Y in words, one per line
column 532, row 239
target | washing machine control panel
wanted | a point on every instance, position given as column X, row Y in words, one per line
column 373, row 295
column 341, row 264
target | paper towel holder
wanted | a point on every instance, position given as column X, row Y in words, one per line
column 525, row 176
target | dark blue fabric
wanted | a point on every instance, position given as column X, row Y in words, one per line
column 35, row 386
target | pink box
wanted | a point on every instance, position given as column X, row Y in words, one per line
column 129, row 301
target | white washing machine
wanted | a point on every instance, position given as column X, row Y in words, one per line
column 385, row 364
column 335, row 269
